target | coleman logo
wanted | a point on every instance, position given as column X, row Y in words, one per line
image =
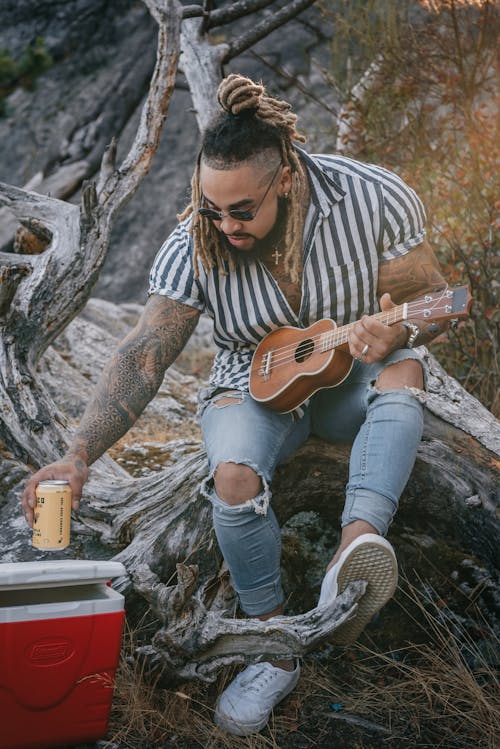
column 49, row 652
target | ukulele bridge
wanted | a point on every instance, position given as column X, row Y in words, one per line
column 265, row 369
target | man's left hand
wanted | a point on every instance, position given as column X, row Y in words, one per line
column 371, row 341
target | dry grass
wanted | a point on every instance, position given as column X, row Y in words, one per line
column 147, row 715
column 442, row 694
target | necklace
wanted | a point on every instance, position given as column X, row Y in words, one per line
column 276, row 255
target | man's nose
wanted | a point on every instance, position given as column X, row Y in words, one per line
column 230, row 225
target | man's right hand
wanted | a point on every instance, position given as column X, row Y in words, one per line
column 71, row 468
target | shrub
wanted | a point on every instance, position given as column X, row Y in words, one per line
column 428, row 110
column 34, row 61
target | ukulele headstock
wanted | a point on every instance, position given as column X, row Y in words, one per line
column 442, row 304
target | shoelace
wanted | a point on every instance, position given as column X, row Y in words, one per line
column 260, row 680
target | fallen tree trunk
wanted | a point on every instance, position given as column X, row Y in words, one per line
column 160, row 527
column 172, row 558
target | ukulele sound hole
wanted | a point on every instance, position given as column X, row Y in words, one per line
column 304, row 350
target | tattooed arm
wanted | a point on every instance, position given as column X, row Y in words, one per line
column 133, row 376
column 400, row 280
column 128, row 383
column 410, row 277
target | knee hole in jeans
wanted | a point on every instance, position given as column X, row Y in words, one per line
column 400, row 375
column 236, row 483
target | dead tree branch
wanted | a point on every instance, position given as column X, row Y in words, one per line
column 265, row 27
column 223, row 16
column 202, row 62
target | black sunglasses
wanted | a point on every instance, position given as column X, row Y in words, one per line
column 237, row 214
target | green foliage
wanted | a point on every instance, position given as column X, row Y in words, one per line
column 34, row 61
column 8, row 68
column 431, row 114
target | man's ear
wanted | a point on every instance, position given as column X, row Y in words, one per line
column 285, row 181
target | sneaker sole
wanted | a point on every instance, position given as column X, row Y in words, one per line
column 377, row 566
column 238, row 729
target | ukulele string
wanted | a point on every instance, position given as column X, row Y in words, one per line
column 286, row 354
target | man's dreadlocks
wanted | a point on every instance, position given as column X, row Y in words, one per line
column 251, row 128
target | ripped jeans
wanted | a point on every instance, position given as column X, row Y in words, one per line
column 384, row 427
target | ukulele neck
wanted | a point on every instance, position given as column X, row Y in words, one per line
column 339, row 336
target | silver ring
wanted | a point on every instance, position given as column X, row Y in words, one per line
column 364, row 350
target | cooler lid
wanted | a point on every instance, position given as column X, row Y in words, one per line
column 57, row 572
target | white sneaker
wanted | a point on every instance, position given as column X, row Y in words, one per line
column 244, row 707
column 371, row 558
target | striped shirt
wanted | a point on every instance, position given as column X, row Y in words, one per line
column 359, row 215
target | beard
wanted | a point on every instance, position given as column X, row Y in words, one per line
column 265, row 246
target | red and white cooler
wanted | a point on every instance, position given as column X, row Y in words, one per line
column 60, row 633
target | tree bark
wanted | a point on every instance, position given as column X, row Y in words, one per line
column 201, row 63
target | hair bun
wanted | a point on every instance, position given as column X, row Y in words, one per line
column 237, row 93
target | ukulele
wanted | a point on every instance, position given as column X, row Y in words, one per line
column 290, row 364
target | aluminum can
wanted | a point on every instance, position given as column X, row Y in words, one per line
column 52, row 515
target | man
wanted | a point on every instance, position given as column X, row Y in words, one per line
column 273, row 237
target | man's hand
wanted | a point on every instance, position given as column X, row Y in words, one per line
column 71, row 468
column 371, row 341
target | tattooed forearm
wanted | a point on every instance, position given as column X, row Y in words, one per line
column 411, row 275
column 133, row 376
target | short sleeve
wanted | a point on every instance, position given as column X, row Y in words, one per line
column 403, row 226
column 172, row 272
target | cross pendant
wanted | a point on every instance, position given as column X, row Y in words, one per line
column 276, row 255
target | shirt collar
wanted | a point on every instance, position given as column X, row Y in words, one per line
column 325, row 189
